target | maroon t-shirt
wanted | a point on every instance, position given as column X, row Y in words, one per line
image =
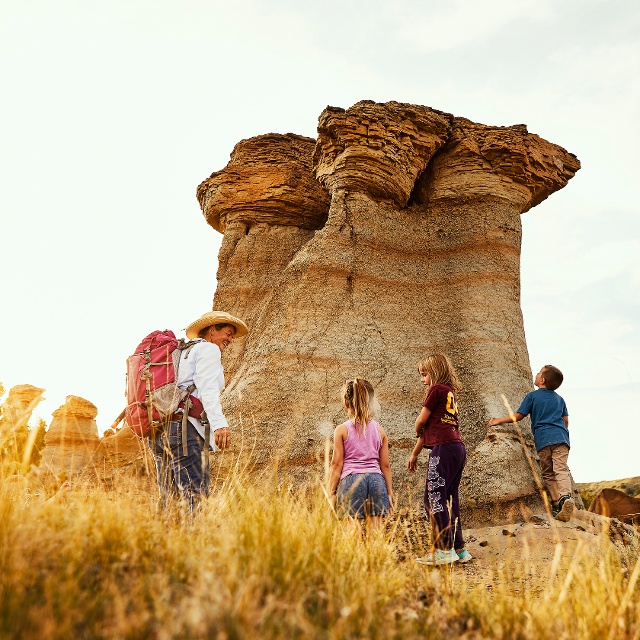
column 442, row 425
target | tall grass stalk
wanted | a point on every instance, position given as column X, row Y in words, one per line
column 264, row 560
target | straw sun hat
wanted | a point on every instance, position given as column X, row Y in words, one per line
column 216, row 317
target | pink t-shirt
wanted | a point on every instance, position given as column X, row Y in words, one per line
column 362, row 451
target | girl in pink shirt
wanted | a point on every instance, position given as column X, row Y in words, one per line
column 360, row 479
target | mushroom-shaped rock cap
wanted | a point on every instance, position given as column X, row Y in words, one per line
column 507, row 162
column 269, row 179
column 74, row 422
column 379, row 149
column 76, row 407
column 24, row 395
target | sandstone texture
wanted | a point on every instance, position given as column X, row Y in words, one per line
column 408, row 243
column 19, row 404
column 268, row 204
column 122, row 451
column 72, row 437
column 613, row 503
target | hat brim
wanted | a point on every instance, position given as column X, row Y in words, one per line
column 216, row 317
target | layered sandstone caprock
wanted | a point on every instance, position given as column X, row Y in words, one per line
column 378, row 152
column 72, row 437
column 268, row 204
column 19, row 405
column 15, row 413
column 419, row 253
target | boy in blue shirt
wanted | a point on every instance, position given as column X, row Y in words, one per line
column 550, row 427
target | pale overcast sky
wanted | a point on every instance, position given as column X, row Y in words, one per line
column 113, row 112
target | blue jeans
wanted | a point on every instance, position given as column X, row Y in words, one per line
column 180, row 475
column 363, row 494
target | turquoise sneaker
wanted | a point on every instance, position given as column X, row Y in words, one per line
column 464, row 555
column 439, row 557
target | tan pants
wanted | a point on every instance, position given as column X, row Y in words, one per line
column 555, row 472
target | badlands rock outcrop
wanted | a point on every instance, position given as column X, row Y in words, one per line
column 72, row 437
column 18, row 407
column 121, row 451
column 267, row 204
column 418, row 252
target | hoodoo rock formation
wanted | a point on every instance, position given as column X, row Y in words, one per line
column 407, row 242
column 268, row 204
column 20, row 403
column 72, row 437
column 123, row 450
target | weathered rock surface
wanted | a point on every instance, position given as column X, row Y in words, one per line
column 268, row 204
column 614, row 503
column 72, row 437
column 419, row 253
column 19, row 404
column 378, row 152
column 122, row 451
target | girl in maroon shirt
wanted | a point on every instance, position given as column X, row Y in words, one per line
column 437, row 428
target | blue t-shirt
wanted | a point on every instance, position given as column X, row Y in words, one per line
column 547, row 409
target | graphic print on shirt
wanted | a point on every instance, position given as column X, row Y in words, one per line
column 433, row 482
column 451, row 408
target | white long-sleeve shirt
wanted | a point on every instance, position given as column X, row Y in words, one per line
column 202, row 366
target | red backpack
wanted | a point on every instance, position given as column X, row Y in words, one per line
column 153, row 395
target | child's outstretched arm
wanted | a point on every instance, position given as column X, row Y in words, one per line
column 337, row 460
column 413, row 458
column 385, row 465
column 496, row 421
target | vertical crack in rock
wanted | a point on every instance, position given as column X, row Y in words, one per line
column 372, row 286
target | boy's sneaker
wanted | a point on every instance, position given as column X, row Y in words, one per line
column 440, row 556
column 565, row 509
column 464, row 555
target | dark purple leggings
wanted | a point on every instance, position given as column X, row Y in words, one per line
column 446, row 462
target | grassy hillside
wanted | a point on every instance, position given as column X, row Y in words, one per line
column 265, row 562
column 631, row 486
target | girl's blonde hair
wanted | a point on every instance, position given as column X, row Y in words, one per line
column 439, row 367
column 358, row 399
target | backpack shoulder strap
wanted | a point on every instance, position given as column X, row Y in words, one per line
column 186, row 346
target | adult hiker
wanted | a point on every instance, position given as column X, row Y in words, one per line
column 183, row 466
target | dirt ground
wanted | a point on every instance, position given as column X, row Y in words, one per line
column 539, row 542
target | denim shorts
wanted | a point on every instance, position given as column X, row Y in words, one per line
column 360, row 491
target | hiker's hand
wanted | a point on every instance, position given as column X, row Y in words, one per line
column 222, row 438
column 493, row 422
column 413, row 463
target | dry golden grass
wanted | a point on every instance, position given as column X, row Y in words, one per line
column 264, row 562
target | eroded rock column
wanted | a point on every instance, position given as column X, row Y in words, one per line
column 474, row 192
column 267, row 204
column 419, row 253
column 340, row 308
column 72, row 437
column 19, row 405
